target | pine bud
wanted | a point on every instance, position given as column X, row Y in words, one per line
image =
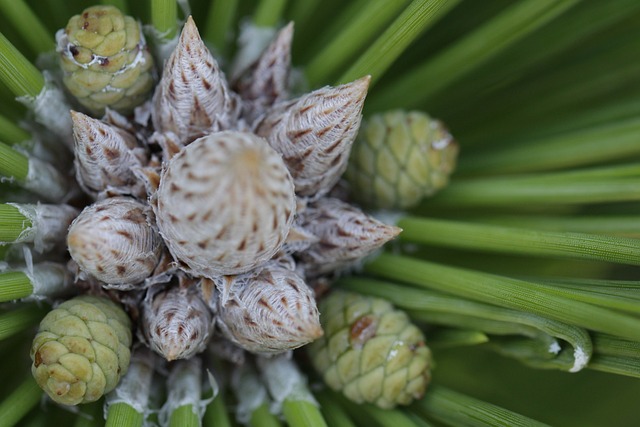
column 314, row 134
column 225, row 204
column 113, row 241
column 105, row 60
column 81, row 350
column 192, row 98
column 105, row 157
column 271, row 312
column 399, row 158
column 267, row 80
column 176, row 322
column 345, row 233
column 370, row 351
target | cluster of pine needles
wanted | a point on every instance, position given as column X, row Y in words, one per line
column 533, row 246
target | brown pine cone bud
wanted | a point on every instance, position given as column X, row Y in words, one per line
column 225, row 204
column 113, row 241
column 271, row 312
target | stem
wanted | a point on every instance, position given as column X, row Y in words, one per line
column 262, row 417
column 510, row 240
column 13, row 164
column 476, row 48
column 268, row 13
column 184, row 416
column 164, row 18
column 28, row 25
column 21, row 400
column 220, row 21
column 11, row 133
column 416, row 18
column 184, row 386
column 122, row 414
column 301, row 413
column 504, row 292
column 583, row 147
column 12, row 223
column 333, row 412
column 351, row 38
column 17, row 73
column 14, row 285
column 216, row 414
column 452, row 408
column 18, row 319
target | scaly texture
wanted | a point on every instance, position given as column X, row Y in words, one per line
column 82, row 350
column 399, row 158
column 112, row 241
column 105, row 60
column 105, row 157
column 267, row 81
column 314, row 134
column 270, row 312
column 345, row 233
column 176, row 322
column 225, row 204
column 370, row 351
column 192, row 98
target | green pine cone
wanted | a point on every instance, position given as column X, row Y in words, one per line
column 81, row 350
column 105, row 60
column 399, row 158
column 370, row 351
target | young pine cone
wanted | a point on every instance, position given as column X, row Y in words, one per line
column 105, row 60
column 112, row 241
column 271, row 312
column 176, row 322
column 370, row 351
column 81, row 350
column 225, row 204
column 399, row 158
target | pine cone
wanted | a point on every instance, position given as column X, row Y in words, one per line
column 398, row 158
column 81, row 350
column 105, row 60
column 370, row 351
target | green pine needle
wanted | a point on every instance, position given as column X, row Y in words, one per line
column 12, row 223
column 262, row 417
column 301, row 413
column 13, row 164
column 476, row 48
column 505, row 292
column 21, row 400
column 18, row 319
column 220, row 21
column 122, row 414
column 455, row 409
column 369, row 20
column 217, row 414
column 17, row 73
column 10, row 132
column 31, row 29
column 184, row 416
column 523, row 241
column 413, row 21
column 268, row 13
column 164, row 18
column 14, row 285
